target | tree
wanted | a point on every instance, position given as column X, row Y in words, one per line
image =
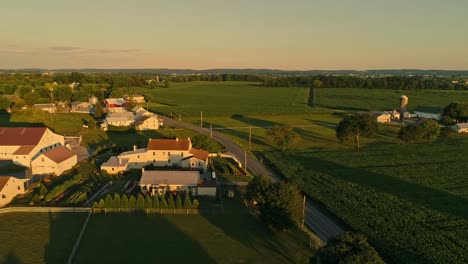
column 116, row 200
column 195, row 204
column 108, row 202
column 282, row 135
column 101, row 203
column 31, row 98
column 4, row 103
column 411, row 134
column 132, row 202
column 140, row 202
column 163, row 202
column 187, row 202
column 431, row 130
column 178, row 202
column 317, row 84
column 282, row 207
column 456, row 111
column 170, row 202
column 95, row 205
column 36, row 198
column 98, row 111
column 64, row 93
column 124, row 201
column 348, row 248
column 43, row 190
column 156, row 202
column 166, row 83
column 355, row 126
column 257, row 189
column 148, row 202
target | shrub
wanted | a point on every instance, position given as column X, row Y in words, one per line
column 178, row 202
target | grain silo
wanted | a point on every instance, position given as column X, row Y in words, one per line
column 403, row 103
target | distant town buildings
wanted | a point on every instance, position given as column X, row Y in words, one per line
column 135, row 98
column 50, row 108
column 115, row 104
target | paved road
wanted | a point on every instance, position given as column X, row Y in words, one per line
column 316, row 219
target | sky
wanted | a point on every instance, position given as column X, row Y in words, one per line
column 207, row 34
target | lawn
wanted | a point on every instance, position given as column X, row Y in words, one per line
column 38, row 237
column 411, row 200
column 233, row 237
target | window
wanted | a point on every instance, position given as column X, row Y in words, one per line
column 154, row 153
column 154, row 161
column 19, row 188
column 182, row 154
column 112, row 169
column 3, row 196
column 168, row 153
column 199, row 164
column 193, row 164
column 164, row 153
column 169, row 161
column 42, row 159
column 138, row 156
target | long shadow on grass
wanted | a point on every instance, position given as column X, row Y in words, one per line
column 415, row 193
column 239, row 224
column 63, row 232
column 243, row 134
column 139, row 238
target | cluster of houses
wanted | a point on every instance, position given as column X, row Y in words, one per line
column 38, row 149
column 172, row 153
column 138, row 117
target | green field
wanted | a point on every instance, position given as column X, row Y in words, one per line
column 39, row 237
column 411, row 200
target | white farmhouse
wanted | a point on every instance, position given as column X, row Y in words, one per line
column 161, row 153
column 461, row 127
column 384, row 117
column 9, row 188
column 147, row 123
column 23, row 145
column 120, row 119
column 54, row 161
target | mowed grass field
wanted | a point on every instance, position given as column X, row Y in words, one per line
column 411, row 200
column 38, row 237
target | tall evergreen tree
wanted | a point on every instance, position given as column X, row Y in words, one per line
column 43, row 190
column 170, row 202
column 178, row 202
column 155, row 202
column 124, row 201
column 163, row 202
column 195, row 204
column 140, row 202
column 101, row 203
column 108, row 202
column 132, row 202
column 187, row 202
column 148, row 202
column 116, row 200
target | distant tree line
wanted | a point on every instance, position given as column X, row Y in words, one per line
column 390, row 82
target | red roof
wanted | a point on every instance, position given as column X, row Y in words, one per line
column 24, row 150
column 59, row 154
column 3, row 181
column 199, row 153
column 20, row 136
column 169, row 144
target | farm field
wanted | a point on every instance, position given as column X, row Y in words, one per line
column 39, row 237
column 412, row 205
column 233, row 237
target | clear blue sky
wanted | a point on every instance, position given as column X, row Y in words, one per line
column 201, row 34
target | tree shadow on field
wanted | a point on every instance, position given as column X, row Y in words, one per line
column 420, row 195
column 139, row 238
column 254, row 122
column 242, row 133
column 238, row 223
column 11, row 258
column 309, row 135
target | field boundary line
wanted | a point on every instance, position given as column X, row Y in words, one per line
column 45, row 210
column 78, row 240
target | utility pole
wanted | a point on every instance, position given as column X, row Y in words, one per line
column 250, row 138
column 171, row 113
column 303, row 211
column 211, row 130
column 245, row 161
column 201, row 118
